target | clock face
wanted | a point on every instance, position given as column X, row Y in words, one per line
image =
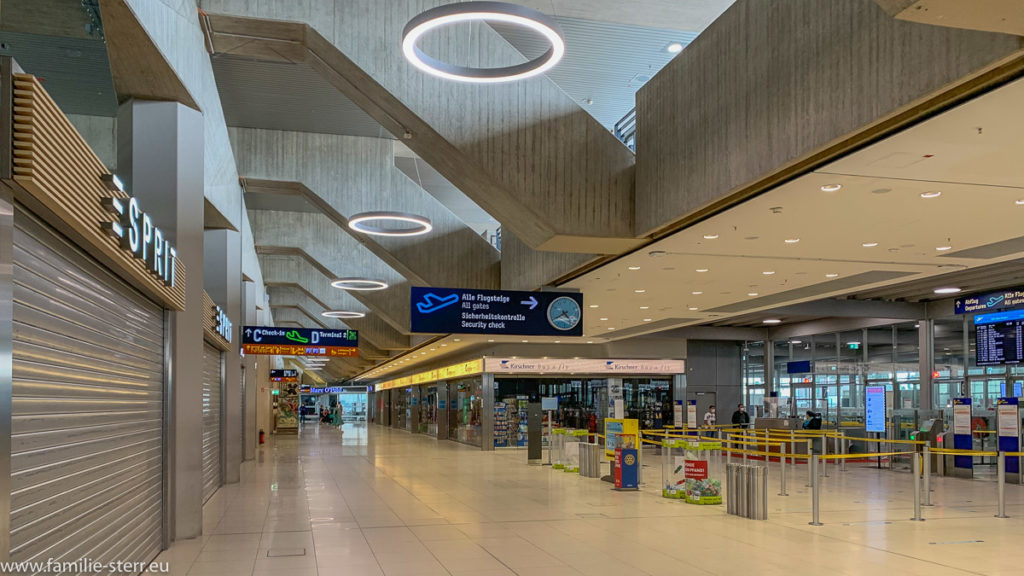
column 564, row 313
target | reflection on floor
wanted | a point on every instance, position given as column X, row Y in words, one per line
column 374, row 501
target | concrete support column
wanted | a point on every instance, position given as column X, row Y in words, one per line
column 253, row 382
column 487, row 413
column 160, row 159
column 222, row 277
column 926, row 362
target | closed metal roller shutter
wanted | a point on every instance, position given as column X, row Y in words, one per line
column 211, row 419
column 87, row 442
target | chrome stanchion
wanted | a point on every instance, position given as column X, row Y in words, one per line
column 927, row 477
column 1001, row 475
column 917, row 490
column 812, row 471
column 815, row 498
column 792, row 446
column 824, row 452
column 782, row 470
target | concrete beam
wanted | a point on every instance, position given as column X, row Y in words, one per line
column 281, row 271
column 531, row 156
column 351, row 174
column 335, row 253
column 708, row 122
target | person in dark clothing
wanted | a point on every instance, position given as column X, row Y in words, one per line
column 740, row 416
column 813, row 421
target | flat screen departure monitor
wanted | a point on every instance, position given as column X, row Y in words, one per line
column 999, row 338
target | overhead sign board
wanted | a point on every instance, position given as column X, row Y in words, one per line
column 467, row 311
column 289, row 376
column 582, row 366
column 973, row 304
column 269, row 340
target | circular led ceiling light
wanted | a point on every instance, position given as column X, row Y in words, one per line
column 362, row 223
column 500, row 12
column 362, row 284
column 342, row 314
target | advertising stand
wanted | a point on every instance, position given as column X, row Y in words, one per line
column 963, row 466
column 685, row 471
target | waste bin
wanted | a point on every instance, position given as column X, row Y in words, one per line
column 573, row 438
column 590, row 459
column 747, row 491
column 558, row 448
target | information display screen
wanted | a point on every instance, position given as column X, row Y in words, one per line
column 874, row 408
column 999, row 338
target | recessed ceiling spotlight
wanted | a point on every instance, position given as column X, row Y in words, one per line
column 603, row 319
column 458, row 339
column 342, row 314
column 948, row 290
column 361, row 223
column 647, row 319
column 772, row 321
column 831, row 187
column 634, row 268
column 696, row 293
column 590, row 341
column 1020, row 202
column 674, row 48
column 610, row 328
column 831, row 275
column 751, row 293
column 768, row 272
column 594, row 306
column 644, row 307
column 443, row 345
column 869, row 244
column 657, row 253
column 639, row 290
column 692, row 308
column 791, row 240
column 558, row 341
column 796, row 341
column 525, row 341
column 711, row 236
column 492, row 12
column 364, row 284
column 943, row 248
column 931, row 194
column 432, row 349
column 702, row 270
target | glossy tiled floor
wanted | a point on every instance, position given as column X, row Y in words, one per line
column 376, row 501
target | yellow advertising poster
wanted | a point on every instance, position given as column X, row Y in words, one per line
column 620, row 433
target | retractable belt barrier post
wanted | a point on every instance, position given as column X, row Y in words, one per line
column 927, row 477
column 782, row 470
column 917, row 489
column 1001, row 480
column 815, row 497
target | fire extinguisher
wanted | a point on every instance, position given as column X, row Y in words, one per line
column 261, row 435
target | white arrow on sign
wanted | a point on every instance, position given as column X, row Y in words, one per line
column 248, row 331
column 532, row 302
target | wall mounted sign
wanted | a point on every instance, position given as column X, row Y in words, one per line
column 222, row 324
column 269, row 340
column 975, row 303
column 137, row 233
column 466, row 311
column 582, row 366
column 460, row 370
column 291, row 376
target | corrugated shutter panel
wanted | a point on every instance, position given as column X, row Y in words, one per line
column 86, row 448
column 211, row 420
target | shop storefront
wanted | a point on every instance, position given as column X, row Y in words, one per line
column 216, row 331
column 89, row 294
column 483, row 402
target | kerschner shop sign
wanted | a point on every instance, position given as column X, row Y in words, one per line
column 137, row 233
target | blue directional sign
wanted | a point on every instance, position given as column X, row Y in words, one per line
column 1012, row 298
column 299, row 341
column 468, row 311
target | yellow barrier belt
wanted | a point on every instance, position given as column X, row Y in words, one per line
column 961, row 452
column 863, row 455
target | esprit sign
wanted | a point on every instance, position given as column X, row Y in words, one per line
column 135, row 229
column 223, row 323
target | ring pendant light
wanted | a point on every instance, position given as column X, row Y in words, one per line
column 361, row 223
column 342, row 314
column 359, row 284
column 499, row 12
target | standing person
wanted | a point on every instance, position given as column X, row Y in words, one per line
column 740, row 416
column 710, row 417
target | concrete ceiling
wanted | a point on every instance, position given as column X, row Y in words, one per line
column 969, row 154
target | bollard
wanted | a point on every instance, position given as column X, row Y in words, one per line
column 927, row 477
column 782, row 470
column 815, row 503
column 917, row 489
column 1001, row 479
